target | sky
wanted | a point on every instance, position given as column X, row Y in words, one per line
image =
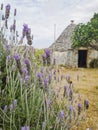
column 49, row 17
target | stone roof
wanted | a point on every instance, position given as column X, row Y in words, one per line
column 64, row 41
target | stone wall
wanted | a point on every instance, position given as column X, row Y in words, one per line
column 70, row 57
column 67, row 58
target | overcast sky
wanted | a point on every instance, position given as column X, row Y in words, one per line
column 43, row 16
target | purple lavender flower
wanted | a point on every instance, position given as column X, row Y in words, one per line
column 27, row 78
column 43, row 55
column 79, row 108
column 86, row 104
column 25, row 71
column 79, row 105
column 7, row 12
column 65, row 88
column 45, row 82
column 25, row 27
column 50, row 78
column 8, row 7
column 70, row 93
column 39, row 75
column 7, row 47
column 25, row 128
column 47, row 52
column 16, row 57
column 48, row 102
column 26, row 61
column 71, row 109
column 5, row 108
column 61, row 114
column 15, row 103
column 8, row 58
column 44, row 59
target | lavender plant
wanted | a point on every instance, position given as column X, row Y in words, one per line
column 29, row 100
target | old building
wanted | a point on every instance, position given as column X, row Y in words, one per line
column 65, row 54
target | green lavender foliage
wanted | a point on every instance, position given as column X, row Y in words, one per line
column 2, row 65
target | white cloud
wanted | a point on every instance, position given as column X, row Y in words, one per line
column 41, row 15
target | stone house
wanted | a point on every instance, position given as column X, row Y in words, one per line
column 64, row 54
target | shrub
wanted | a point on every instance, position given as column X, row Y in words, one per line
column 94, row 63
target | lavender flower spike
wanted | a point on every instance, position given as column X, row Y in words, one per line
column 8, row 7
column 25, row 27
column 16, row 57
column 47, row 51
column 15, row 103
column 39, row 75
column 26, row 61
column 86, row 104
column 45, row 82
column 43, row 55
column 48, row 102
column 8, row 58
column 25, row 71
column 61, row 115
column 79, row 108
column 27, row 78
column 5, row 108
column 25, row 128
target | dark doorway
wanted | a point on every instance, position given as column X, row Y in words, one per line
column 82, row 58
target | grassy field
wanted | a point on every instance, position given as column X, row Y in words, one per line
column 86, row 84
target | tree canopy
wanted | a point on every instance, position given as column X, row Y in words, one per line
column 86, row 34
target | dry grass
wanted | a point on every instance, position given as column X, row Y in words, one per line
column 86, row 83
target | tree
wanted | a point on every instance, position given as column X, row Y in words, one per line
column 86, row 34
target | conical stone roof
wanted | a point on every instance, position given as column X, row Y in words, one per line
column 64, row 41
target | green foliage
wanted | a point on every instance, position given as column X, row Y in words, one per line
column 2, row 66
column 94, row 63
column 38, row 56
column 84, row 34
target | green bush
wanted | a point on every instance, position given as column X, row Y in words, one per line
column 94, row 63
